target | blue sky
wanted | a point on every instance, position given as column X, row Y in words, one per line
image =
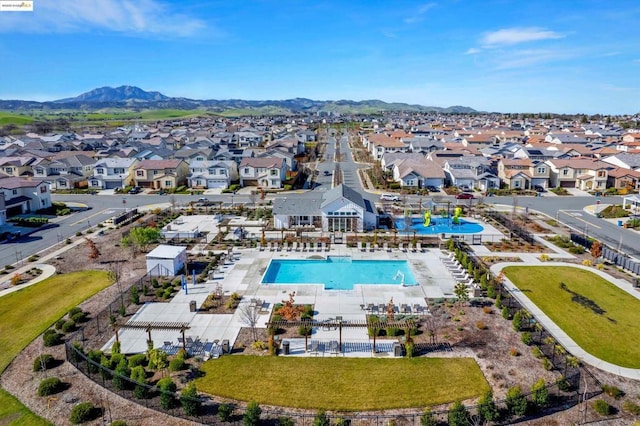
column 494, row 55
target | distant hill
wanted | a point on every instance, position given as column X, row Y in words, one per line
column 134, row 97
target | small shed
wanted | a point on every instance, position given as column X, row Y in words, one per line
column 166, row 260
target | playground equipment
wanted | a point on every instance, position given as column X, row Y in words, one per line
column 457, row 213
column 427, row 218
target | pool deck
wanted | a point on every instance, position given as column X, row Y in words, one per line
column 244, row 274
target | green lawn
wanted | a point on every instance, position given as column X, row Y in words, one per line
column 343, row 384
column 13, row 118
column 26, row 313
column 596, row 314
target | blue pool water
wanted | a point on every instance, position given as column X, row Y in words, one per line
column 338, row 273
column 438, row 225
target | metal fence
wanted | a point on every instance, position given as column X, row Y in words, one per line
column 616, row 257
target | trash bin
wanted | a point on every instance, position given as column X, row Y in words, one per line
column 225, row 346
column 397, row 349
column 619, row 223
column 192, row 306
column 285, row 347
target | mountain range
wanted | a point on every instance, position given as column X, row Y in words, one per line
column 134, row 97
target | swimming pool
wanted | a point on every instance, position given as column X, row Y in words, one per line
column 438, row 225
column 339, row 272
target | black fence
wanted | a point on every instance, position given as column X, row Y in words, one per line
column 511, row 225
column 609, row 254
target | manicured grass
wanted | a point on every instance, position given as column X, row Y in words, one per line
column 611, row 335
column 13, row 118
column 26, row 313
column 344, row 384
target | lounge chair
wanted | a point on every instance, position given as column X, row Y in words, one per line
column 259, row 247
column 334, row 348
column 400, row 247
column 409, row 247
column 419, row 247
column 368, row 246
column 285, row 246
column 324, row 246
column 315, row 347
column 294, row 246
column 269, row 247
column 385, row 246
column 374, row 309
column 376, row 247
column 360, row 246
column 276, row 246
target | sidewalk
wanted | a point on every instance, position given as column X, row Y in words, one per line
column 563, row 338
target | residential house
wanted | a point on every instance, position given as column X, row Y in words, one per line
column 472, row 171
column 18, row 166
column 267, row 172
column 378, row 144
column 307, row 135
column 582, row 173
column 523, row 173
column 625, row 160
column 623, row 179
column 212, row 174
column 418, row 173
column 65, row 172
column 24, row 195
column 423, row 145
column 160, row 174
column 112, row 173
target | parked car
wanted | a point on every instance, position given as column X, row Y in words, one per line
column 389, row 197
column 539, row 188
column 327, row 173
column 465, row 196
column 464, row 187
column 432, row 188
column 135, row 190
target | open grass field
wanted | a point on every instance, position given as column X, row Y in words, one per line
column 13, row 118
column 27, row 313
column 596, row 314
column 343, row 384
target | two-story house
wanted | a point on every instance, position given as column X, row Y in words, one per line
column 160, row 174
column 523, row 173
column 112, row 173
column 582, row 173
column 66, row 172
column 378, row 144
column 24, row 195
column 421, row 173
column 212, row 174
column 267, row 172
column 470, row 171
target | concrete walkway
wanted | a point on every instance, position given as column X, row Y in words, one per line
column 563, row 338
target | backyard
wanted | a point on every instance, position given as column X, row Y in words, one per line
column 596, row 314
column 27, row 313
column 371, row 383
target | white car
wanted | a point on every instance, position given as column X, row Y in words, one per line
column 389, row 197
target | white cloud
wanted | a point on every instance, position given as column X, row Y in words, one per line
column 419, row 14
column 472, row 51
column 140, row 17
column 530, row 57
column 511, row 36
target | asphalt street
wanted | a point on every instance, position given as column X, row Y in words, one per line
column 568, row 210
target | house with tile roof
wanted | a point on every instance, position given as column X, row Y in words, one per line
column 266, row 172
column 160, row 174
column 212, row 174
column 523, row 173
column 412, row 173
column 625, row 160
column 582, row 173
column 112, row 173
column 623, row 179
column 24, row 195
column 472, row 171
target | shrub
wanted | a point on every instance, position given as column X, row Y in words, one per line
column 83, row 412
column 613, row 391
column 167, row 294
column 305, row 330
column 427, row 418
column 60, row 323
column 51, row 338
column 458, row 414
column 43, row 362
column 563, row 384
column 135, row 296
column 139, row 375
column 544, row 257
column 392, row 331
column 136, row 360
column 118, row 423
column 601, row 407
column 259, row 345
column 514, row 352
column 321, row 419
column 167, row 393
column 516, row 401
column 189, row 400
column 487, row 310
column 252, row 414
column 286, row 421
column 115, row 348
column 631, row 408
column 546, row 364
column 176, row 364
column 78, row 317
column 480, row 325
column 122, row 371
column 49, row 386
column 536, row 352
column 182, row 354
column 159, row 292
column 526, row 338
column 505, row 313
column 517, row 321
column 540, row 394
column 68, row 326
column 224, row 412
column 487, row 407
column 587, row 262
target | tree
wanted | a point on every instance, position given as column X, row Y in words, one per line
column 122, row 371
column 517, row 321
column 252, row 414
column 428, row 418
column 458, row 414
column 94, row 253
column 189, row 400
column 596, row 250
column 249, row 315
column 462, row 293
column 487, row 407
column 158, row 359
column 289, row 311
column 141, row 238
column 539, row 394
column 516, row 401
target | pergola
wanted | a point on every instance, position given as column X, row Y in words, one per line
column 148, row 326
column 339, row 324
column 632, row 200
